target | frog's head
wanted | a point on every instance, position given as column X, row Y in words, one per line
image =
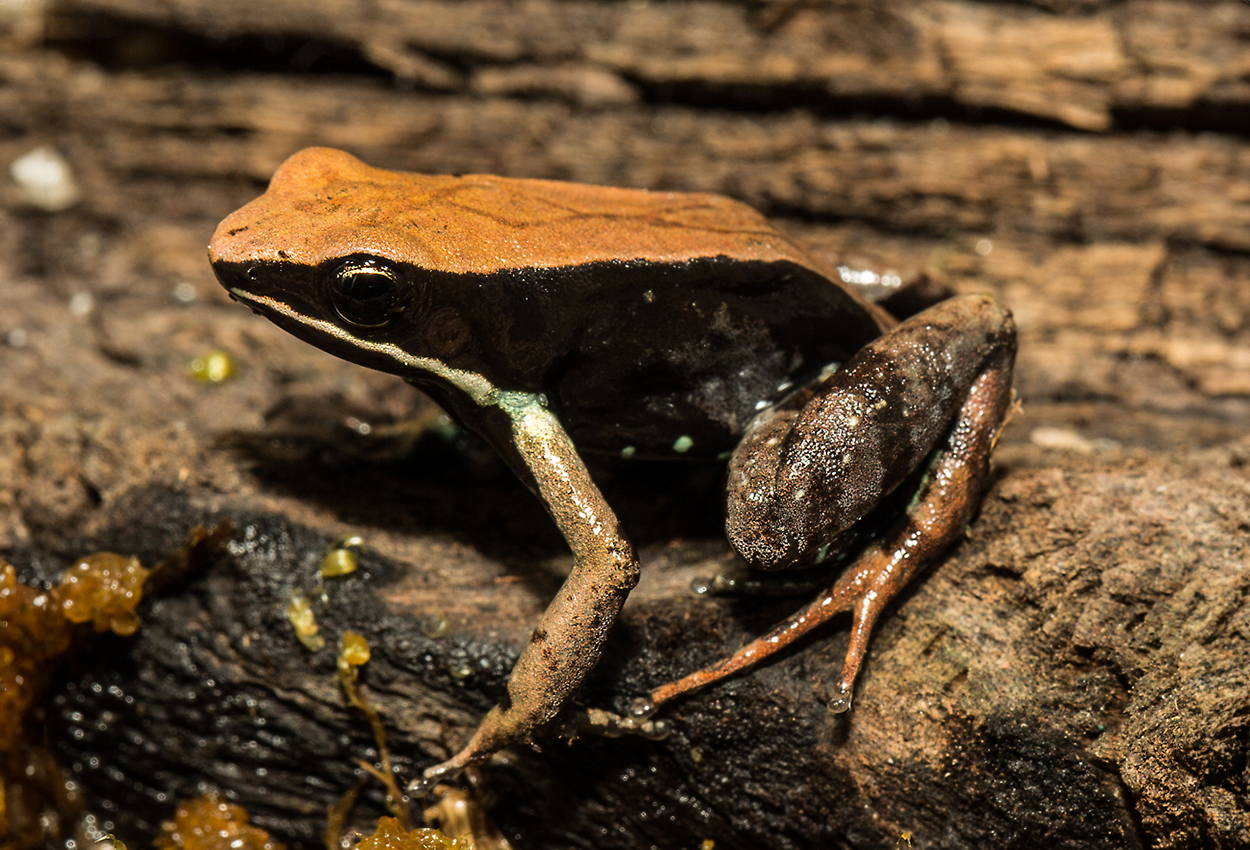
column 324, row 255
column 324, row 205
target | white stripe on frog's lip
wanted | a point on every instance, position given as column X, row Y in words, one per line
column 537, row 434
column 476, row 387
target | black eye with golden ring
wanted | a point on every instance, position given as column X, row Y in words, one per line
column 366, row 292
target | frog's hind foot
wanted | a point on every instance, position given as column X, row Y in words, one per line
column 838, row 599
column 840, row 702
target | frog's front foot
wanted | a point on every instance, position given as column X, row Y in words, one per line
column 591, row 721
column 499, row 728
column 418, row 789
column 599, row 722
column 442, row 772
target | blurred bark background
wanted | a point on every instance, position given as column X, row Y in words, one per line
column 1074, row 674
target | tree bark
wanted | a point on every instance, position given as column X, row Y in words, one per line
column 1073, row 674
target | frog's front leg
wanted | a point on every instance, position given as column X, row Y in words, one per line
column 567, row 642
column 814, row 466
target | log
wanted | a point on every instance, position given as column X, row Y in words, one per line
column 1072, row 674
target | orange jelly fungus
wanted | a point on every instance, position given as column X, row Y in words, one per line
column 391, row 836
column 210, row 823
column 36, row 626
column 103, row 590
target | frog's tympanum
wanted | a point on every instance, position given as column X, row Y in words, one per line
column 555, row 319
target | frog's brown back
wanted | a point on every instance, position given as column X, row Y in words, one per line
column 323, row 204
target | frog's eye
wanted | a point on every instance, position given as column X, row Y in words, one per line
column 366, row 292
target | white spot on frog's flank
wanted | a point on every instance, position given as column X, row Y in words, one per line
column 45, row 179
column 799, row 494
column 81, row 303
column 682, row 444
column 984, row 247
column 628, row 452
column 852, row 421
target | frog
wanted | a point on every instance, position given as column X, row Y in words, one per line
column 560, row 320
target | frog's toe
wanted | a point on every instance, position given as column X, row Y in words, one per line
column 642, row 708
column 423, row 787
column 840, row 702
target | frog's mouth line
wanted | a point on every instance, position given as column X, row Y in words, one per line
column 474, row 385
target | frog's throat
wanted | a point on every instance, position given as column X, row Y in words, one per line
column 527, row 411
column 475, row 386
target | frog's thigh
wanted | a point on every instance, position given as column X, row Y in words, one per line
column 810, row 469
column 942, row 507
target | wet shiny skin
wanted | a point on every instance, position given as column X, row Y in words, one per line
column 557, row 318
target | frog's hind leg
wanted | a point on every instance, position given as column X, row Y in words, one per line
column 955, row 360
